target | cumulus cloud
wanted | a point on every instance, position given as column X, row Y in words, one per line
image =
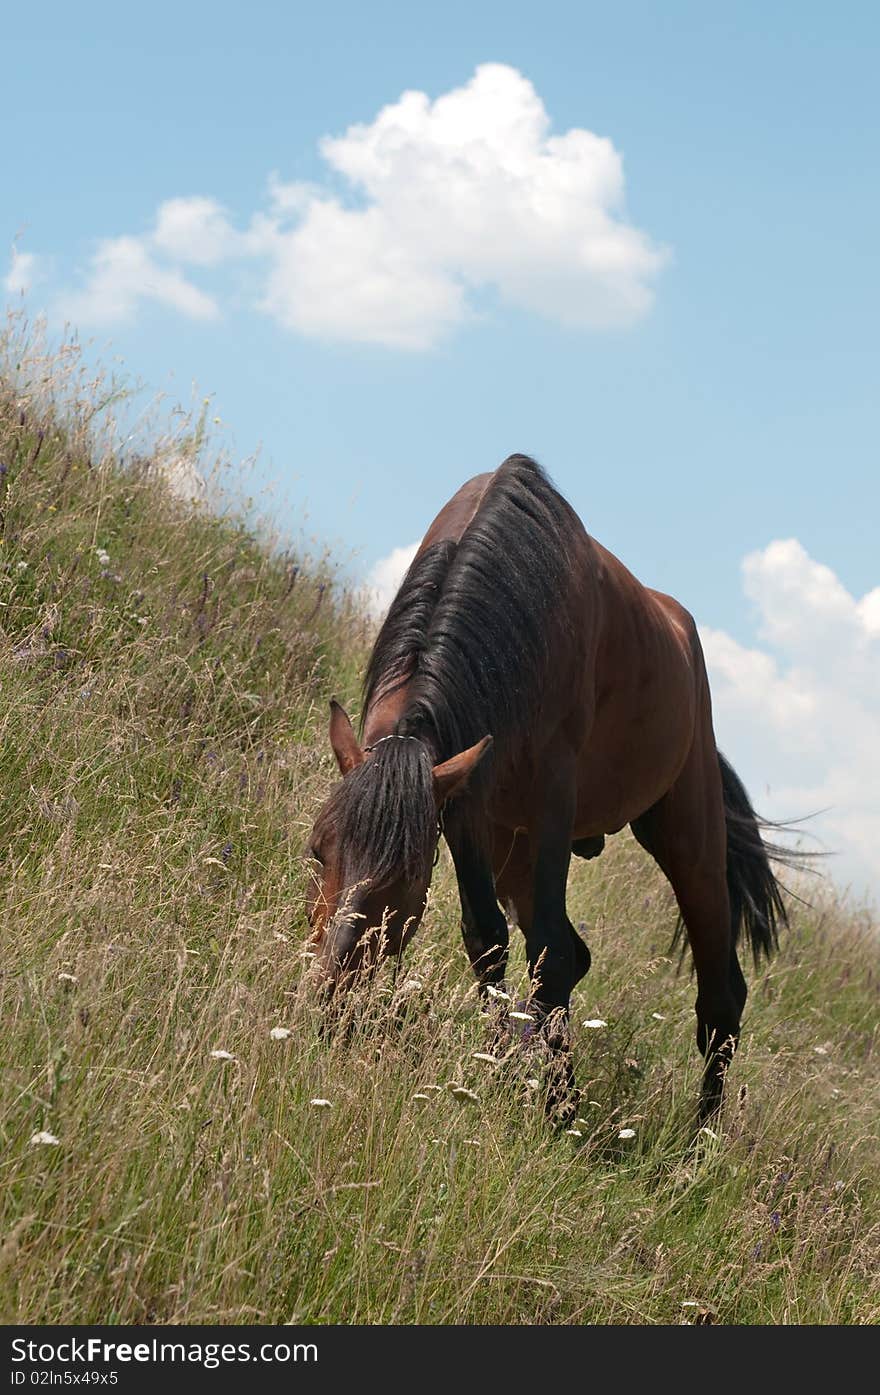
column 800, row 716
column 24, row 270
column 467, row 192
column 422, row 211
column 195, row 230
column 124, row 273
column 385, row 577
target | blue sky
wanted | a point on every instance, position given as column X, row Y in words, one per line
column 711, row 400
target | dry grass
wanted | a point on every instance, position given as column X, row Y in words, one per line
column 163, row 751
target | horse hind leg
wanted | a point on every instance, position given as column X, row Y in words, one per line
column 686, row 834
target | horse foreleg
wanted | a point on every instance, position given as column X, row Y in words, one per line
column 557, row 956
column 483, row 924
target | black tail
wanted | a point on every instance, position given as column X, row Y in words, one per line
column 756, row 904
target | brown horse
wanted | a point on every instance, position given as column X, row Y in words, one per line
column 526, row 695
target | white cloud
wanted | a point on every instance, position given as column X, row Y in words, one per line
column 441, row 202
column 24, row 270
column 385, row 577
column 467, row 192
column 195, row 230
column 124, row 273
column 801, row 718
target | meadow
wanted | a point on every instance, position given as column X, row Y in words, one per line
column 180, row 1144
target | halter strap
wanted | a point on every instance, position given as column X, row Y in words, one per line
column 393, row 737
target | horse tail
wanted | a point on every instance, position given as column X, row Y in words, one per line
column 757, row 909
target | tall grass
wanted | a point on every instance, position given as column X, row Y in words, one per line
column 164, row 682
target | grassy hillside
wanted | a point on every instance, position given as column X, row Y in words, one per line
column 164, row 683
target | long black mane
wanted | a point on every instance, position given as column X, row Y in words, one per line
column 475, row 624
column 384, row 811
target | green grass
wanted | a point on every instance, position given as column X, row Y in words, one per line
column 164, row 751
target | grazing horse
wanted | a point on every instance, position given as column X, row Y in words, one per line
column 526, row 696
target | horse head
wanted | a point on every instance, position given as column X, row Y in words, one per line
column 373, row 845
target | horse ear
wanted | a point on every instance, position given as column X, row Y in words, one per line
column 343, row 740
column 453, row 775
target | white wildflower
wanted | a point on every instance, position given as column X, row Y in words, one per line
column 103, row 556
column 322, row 1104
column 627, row 1133
column 595, row 1022
column 45, row 1137
column 461, row 1092
column 280, row 1033
column 222, row 1055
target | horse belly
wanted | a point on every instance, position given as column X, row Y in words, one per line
column 631, row 762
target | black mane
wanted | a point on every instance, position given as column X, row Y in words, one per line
column 385, row 815
column 475, row 622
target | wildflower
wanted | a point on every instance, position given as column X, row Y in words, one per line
column 461, row 1092
column 485, row 1056
column 67, row 978
column 710, row 1133
column 820, row 1050
column 280, row 1033
column 659, row 1016
column 533, row 1083
column 419, row 1096
column 595, row 1022
column 45, row 1137
column 222, row 1055
column 322, row 1104
column 103, row 556
column 522, row 1016
column 497, row 993
column 574, row 1133
column 21, row 566
column 627, row 1133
